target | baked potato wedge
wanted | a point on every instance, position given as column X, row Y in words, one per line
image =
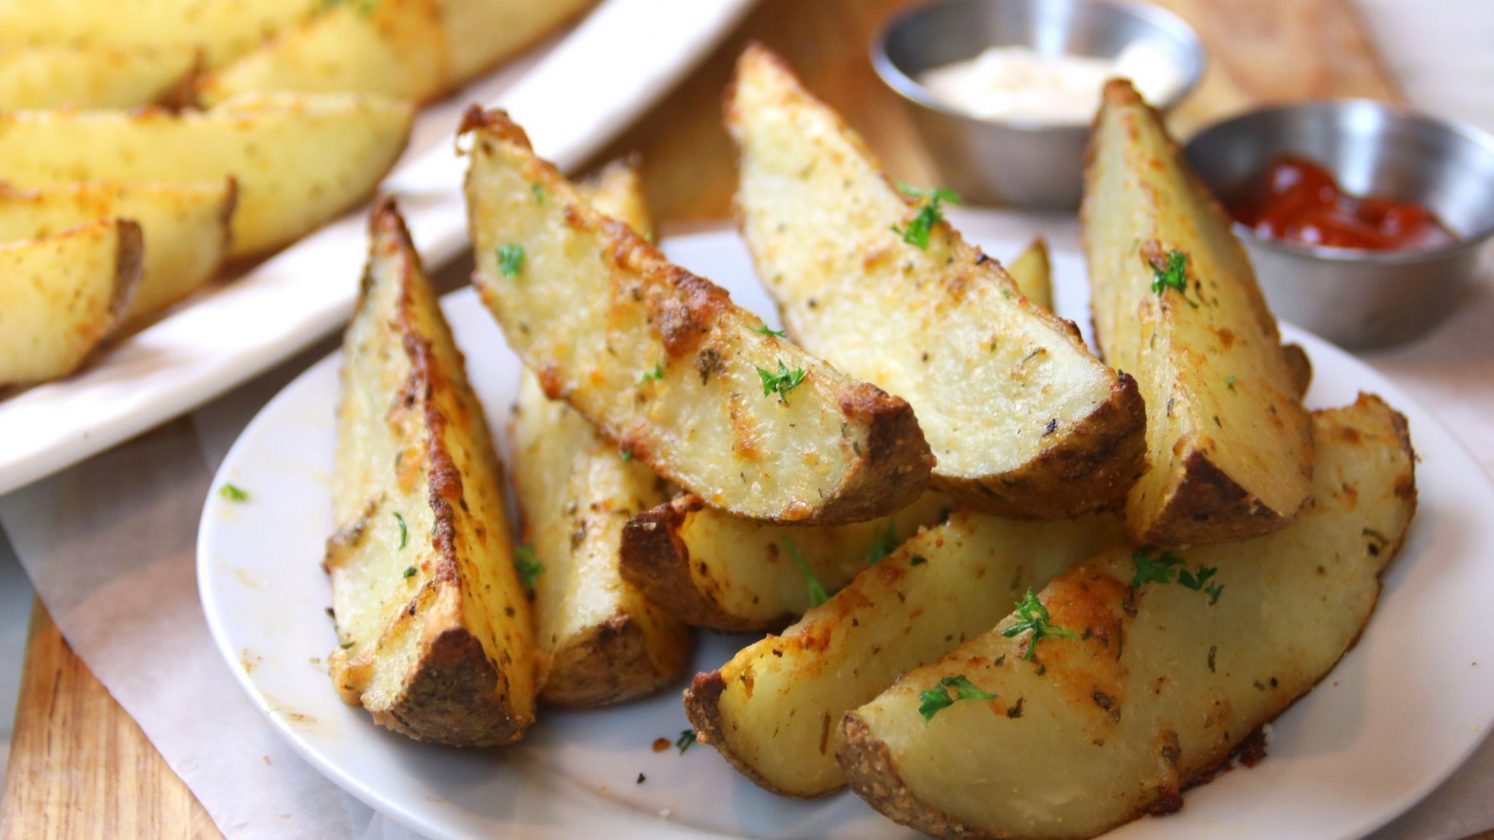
column 1033, row 274
column 185, row 229
column 713, row 569
column 663, row 362
column 482, row 33
column 63, row 295
column 1162, row 679
column 1022, row 419
column 298, row 160
column 434, row 623
column 1176, row 304
column 602, row 641
column 92, row 77
column 220, row 29
column 774, row 710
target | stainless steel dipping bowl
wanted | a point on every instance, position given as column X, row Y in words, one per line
column 1359, row 298
column 1007, row 161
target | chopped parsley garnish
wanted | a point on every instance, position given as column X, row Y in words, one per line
column 1229, row 382
column 884, row 542
column 1167, row 567
column 528, row 566
column 1172, row 275
column 767, row 330
column 653, row 374
column 1033, row 618
column 410, row 571
column 935, row 700
column 685, row 741
column 817, row 593
column 363, row 8
column 511, row 259
column 233, row 493
column 917, row 560
column 917, row 231
column 626, row 454
column 404, row 530
column 539, row 193
column 782, row 382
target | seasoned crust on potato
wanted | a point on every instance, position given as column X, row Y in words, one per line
column 708, row 420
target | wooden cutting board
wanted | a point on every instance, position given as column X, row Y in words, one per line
column 80, row 767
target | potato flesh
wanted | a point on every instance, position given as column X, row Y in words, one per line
column 783, row 697
column 221, row 29
column 1191, row 680
column 1218, row 389
column 422, row 553
column 589, row 309
column 185, row 229
column 62, row 296
column 994, row 380
column 1033, row 275
column 481, row 33
column 298, row 161
column 90, row 77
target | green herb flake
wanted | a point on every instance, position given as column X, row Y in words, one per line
column 935, row 700
column 626, row 455
column 233, row 493
column 1213, row 590
column 1159, row 569
column 884, row 542
column 1229, row 381
column 917, row 560
column 404, row 530
column 1172, row 275
column 1196, row 580
column 346, row 645
column 410, row 571
column 782, row 382
column 653, row 374
column 511, row 259
column 1033, row 618
column 685, row 741
column 539, row 193
column 817, row 593
column 930, row 214
column 767, row 330
column 528, row 566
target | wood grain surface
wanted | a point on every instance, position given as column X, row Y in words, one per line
column 80, row 767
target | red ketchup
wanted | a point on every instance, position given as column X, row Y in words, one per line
column 1302, row 203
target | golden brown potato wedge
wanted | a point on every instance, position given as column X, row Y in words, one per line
column 435, row 625
column 774, row 710
column 221, row 29
column 1021, row 417
column 91, row 77
column 62, row 295
column 1161, row 682
column 712, row 569
column 482, row 33
column 1033, row 274
column 602, row 641
column 298, row 160
column 1176, row 304
column 185, row 229
column 664, row 363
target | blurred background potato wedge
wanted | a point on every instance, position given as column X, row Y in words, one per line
column 1022, row 418
column 774, row 710
column 434, row 623
column 1161, row 682
column 92, row 77
column 601, row 640
column 713, row 569
column 663, row 362
column 185, row 228
column 480, row 34
column 1033, row 274
column 62, row 295
column 299, row 161
column 1176, row 304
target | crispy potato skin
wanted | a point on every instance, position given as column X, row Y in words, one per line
column 706, row 424
column 773, row 711
column 64, row 295
column 1022, row 418
column 436, row 629
column 1163, row 681
column 1229, row 444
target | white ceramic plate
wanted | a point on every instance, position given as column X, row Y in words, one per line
column 1397, row 715
column 572, row 95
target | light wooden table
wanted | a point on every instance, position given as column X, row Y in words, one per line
column 80, row 767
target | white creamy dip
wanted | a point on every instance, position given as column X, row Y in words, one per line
column 1017, row 82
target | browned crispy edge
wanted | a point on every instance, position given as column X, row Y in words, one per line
column 703, row 709
column 1093, row 462
column 129, row 253
column 612, row 663
column 1300, row 366
column 455, row 695
column 653, row 558
column 895, row 464
column 871, row 771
